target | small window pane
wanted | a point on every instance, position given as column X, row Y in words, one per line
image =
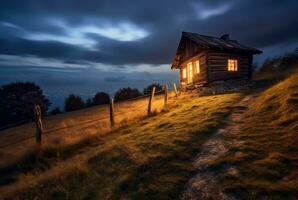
column 198, row 66
column 184, row 72
column 232, row 65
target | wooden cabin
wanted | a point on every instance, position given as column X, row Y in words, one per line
column 203, row 60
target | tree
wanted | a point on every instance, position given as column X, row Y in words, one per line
column 89, row 102
column 73, row 102
column 17, row 101
column 55, row 111
column 148, row 89
column 101, row 98
column 127, row 93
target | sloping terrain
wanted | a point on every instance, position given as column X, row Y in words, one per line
column 70, row 128
column 149, row 159
column 257, row 153
column 227, row 146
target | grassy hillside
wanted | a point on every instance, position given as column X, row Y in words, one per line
column 266, row 156
column 149, row 159
column 153, row 158
column 70, row 128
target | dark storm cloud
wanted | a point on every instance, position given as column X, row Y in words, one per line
column 115, row 78
column 85, row 31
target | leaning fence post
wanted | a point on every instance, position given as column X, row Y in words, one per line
column 112, row 120
column 166, row 95
column 175, row 90
column 38, row 123
column 150, row 100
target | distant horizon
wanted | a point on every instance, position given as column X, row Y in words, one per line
column 87, row 84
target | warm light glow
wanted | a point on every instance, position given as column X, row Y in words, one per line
column 184, row 72
column 198, row 66
column 190, row 72
column 232, row 65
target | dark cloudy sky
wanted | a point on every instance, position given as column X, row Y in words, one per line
column 84, row 46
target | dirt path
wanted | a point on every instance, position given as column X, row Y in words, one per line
column 204, row 184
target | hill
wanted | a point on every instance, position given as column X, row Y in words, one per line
column 262, row 157
column 154, row 158
column 149, row 158
column 71, row 128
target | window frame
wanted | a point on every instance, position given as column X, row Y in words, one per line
column 232, row 65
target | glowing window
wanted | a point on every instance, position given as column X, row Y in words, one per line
column 198, row 66
column 184, row 72
column 190, row 72
column 232, row 65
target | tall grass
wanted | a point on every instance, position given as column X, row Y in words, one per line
column 266, row 155
column 149, row 159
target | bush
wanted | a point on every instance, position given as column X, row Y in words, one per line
column 55, row 111
column 101, row 98
column 73, row 102
column 89, row 103
column 17, row 101
column 148, row 89
column 279, row 66
column 127, row 93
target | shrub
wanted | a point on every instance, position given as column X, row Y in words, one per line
column 279, row 66
column 89, row 102
column 101, row 98
column 73, row 102
column 148, row 89
column 55, row 111
column 127, row 93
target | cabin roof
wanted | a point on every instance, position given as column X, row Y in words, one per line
column 215, row 43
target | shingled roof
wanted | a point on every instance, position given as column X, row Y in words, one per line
column 215, row 43
column 222, row 43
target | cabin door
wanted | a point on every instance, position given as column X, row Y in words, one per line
column 190, row 73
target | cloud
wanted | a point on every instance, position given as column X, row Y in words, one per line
column 115, row 78
column 137, row 33
column 204, row 12
column 9, row 25
column 124, row 32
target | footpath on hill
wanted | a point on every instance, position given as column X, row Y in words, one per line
column 204, row 185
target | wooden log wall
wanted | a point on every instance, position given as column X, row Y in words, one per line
column 197, row 77
column 218, row 66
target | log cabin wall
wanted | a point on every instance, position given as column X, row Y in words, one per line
column 218, row 66
column 200, row 77
column 187, row 49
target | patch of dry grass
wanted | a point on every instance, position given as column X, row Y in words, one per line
column 149, row 159
column 267, row 153
column 70, row 128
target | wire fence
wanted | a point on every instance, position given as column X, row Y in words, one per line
column 119, row 112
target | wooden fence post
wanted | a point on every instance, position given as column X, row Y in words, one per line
column 39, row 127
column 166, row 95
column 150, row 100
column 112, row 120
column 175, row 90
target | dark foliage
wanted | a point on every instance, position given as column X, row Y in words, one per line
column 17, row 101
column 280, row 63
column 101, row 98
column 55, row 111
column 148, row 89
column 73, row 102
column 127, row 93
column 89, row 103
